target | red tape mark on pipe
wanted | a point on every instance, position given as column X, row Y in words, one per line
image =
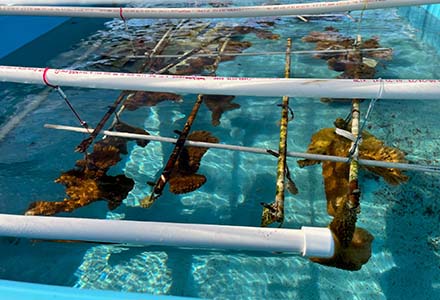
column 45, row 79
column 121, row 14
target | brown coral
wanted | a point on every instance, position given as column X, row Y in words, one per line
column 329, row 34
column 352, row 65
column 352, row 257
column 260, row 33
column 218, row 104
column 335, row 174
column 183, row 178
column 100, row 160
column 83, row 191
column 141, row 98
column 235, row 47
column 123, row 127
column 194, row 66
column 88, row 182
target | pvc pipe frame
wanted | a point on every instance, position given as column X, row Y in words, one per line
column 209, row 12
column 240, row 86
column 309, row 241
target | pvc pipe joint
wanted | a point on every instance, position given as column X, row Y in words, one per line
column 318, row 242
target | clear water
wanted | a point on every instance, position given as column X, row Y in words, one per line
column 404, row 220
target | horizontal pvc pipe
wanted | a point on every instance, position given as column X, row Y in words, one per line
column 268, row 53
column 365, row 162
column 209, row 12
column 74, row 2
column 239, row 86
column 308, row 241
column 97, row 2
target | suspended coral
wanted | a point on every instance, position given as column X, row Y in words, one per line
column 83, row 191
column 260, row 33
column 141, row 98
column 220, row 3
column 218, row 104
column 235, row 47
column 352, row 244
column 193, row 66
column 88, row 182
column 356, row 64
column 331, row 39
column 353, row 256
column 183, row 178
column 330, row 34
column 335, row 174
column 124, row 127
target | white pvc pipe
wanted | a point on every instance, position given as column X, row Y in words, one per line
column 427, row 89
column 366, row 162
column 308, row 241
column 72, row 2
column 97, row 2
column 209, row 12
column 344, row 51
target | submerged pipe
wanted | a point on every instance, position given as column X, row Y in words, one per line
column 268, row 53
column 209, row 12
column 308, row 241
column 365, row 162
column 426, row 89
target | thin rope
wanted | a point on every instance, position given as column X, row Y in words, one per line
column 66, row 100
column 361, row 16
column 130, row 37
column 373, row 101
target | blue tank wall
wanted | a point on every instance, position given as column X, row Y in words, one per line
column 426, row 19
column 433, row 9
column 31, row 291
column 18, row 31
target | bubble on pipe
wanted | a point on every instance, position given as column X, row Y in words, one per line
column 209, row 12
column 309, row 241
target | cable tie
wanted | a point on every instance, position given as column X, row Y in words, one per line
column 46, row 82
column 346, row 134
column 353, row 153
column 381, row 89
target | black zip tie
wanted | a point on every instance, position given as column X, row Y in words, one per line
column 292, row 116
column 63, row 95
